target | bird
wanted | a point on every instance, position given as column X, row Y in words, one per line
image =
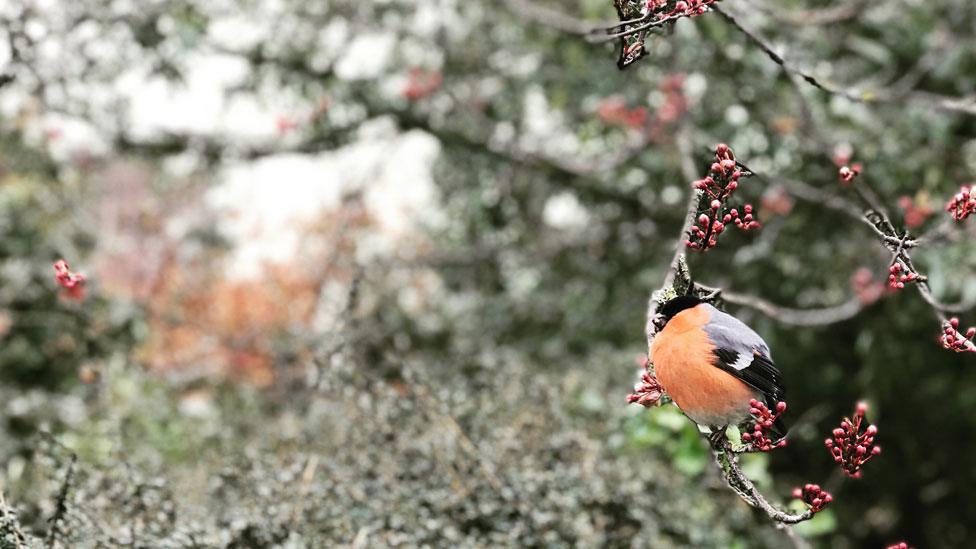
column 712, row 365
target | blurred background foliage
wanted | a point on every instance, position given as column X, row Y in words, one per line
column 437, row 352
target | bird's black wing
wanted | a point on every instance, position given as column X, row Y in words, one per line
column 759, row 373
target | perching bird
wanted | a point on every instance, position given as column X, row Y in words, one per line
column 712, row 365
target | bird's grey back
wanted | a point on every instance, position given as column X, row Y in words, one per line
column 728, row 332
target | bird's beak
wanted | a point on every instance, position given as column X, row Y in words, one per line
column 658, row 321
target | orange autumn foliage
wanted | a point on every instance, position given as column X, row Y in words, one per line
column 203, row 323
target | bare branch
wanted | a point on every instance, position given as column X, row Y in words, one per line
column 797, row 317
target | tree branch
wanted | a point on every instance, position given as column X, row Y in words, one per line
column 797, row 317
column 741, row 485
column 10, row 526
column 881, row 95
column 61, row 503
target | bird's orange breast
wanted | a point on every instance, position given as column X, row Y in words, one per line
column 683, row 363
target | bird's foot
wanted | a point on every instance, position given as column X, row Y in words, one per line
column 718, row 440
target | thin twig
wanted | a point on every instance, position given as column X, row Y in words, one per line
column 61, row 503
column 881, row 95
column 816, row 17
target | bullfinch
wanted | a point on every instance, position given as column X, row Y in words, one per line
column 712, row 365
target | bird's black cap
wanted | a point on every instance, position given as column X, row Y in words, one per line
column 676, row 305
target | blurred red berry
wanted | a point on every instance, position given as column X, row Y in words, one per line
column 285, row 124
column 916, row 210
column 963, row 204
column 866, row 288
column 615, row 112
column 849, row 173
column 72, row 284
column 843, row 154
column 422, row 83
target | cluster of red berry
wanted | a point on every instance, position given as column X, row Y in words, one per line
column 759, row 439
column 718, row 186
column 647, row 391
column 849, row 446
column 898, row 275
column 916, row 211
column 963, row 203
column 688, row 8
column 814, row 496
column 73, row 283
column 614, row 111
column 848, row 173
column 954, row 340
